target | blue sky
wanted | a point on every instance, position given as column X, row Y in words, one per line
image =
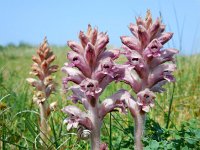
column 61, row 20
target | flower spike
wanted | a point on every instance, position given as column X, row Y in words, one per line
column 44, row 85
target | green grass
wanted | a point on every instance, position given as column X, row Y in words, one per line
column 19, row 116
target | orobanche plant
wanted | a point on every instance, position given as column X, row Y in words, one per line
column 148, row 68
column 44, row 85
column 91, row 68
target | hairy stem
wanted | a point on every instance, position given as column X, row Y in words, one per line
column 95, row 135
column 139, row 118
column 43, row 122
column 139, row 129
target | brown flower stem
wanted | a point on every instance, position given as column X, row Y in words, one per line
column 43, row 122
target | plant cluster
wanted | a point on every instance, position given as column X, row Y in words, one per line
column 92, row 67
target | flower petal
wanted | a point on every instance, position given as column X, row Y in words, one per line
column 102, row 41
column 75, row 47
column 154, row 28
column 90, row 87
column 165, row 55
column 128, row 75
column 113, row 54
column 83, row 38
column 77, row 116
column 79, row 62
column 143, row 36
column 161, row 72
column 90, row 54
column 79, row 95
column 131, row 42
column 134, row 29
column 165, row 37
column 74, row 75
column 35, row 83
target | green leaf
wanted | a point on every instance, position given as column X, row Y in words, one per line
column 154, row 144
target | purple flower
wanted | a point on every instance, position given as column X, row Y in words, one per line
column 153, row 49
column 146, row 99
column 161, row 72
column 74, row 75
column 128, row 75
column 77, row 60
column 76, row 117
column 106, row 67
column 117, row 100
column 90, row 87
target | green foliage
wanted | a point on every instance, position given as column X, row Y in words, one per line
column 187, row 137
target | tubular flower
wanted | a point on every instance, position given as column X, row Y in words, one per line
column 44, row 85
column 91, row 68
column 153, row 66
column 146, row 99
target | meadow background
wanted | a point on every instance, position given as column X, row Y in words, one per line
column 173, row 124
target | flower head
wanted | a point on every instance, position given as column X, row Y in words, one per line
column 91, row 68
column 43, row 69
column 146, row 57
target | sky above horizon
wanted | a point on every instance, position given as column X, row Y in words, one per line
column 30, row 20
